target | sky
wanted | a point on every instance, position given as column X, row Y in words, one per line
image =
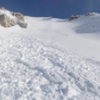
column 52, row 8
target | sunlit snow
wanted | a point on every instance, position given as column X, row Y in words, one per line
column 52, row 59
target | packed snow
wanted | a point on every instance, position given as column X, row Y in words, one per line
column 51, row 59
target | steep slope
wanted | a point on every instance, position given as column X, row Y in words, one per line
column 46, row 61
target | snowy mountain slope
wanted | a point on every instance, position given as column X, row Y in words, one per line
column 67, row 35
column 52, row 59
column 80, row 35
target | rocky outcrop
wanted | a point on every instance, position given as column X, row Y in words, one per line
column 8, row 19
column 84, row 15
column 20, row 19
column 73, row 17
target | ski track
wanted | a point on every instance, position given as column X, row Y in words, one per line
column 30, row 70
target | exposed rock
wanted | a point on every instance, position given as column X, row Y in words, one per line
column 2, row 8
column 90, row 14
column 20, row 20
column 18, row 16
column 8, row 19
column 73, row 17
column 22, row 24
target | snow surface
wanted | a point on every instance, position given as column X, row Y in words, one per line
column 52, row 59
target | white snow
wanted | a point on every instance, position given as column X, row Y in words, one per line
column 52, row 59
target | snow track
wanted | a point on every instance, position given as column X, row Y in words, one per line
column 30, row 70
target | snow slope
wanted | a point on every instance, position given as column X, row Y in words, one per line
column 52, row 59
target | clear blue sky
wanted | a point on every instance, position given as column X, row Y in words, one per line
column 52, row 8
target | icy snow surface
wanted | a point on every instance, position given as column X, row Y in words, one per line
column 50, row 60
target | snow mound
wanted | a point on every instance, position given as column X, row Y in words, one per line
column 30, row 70
column 8, row 19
